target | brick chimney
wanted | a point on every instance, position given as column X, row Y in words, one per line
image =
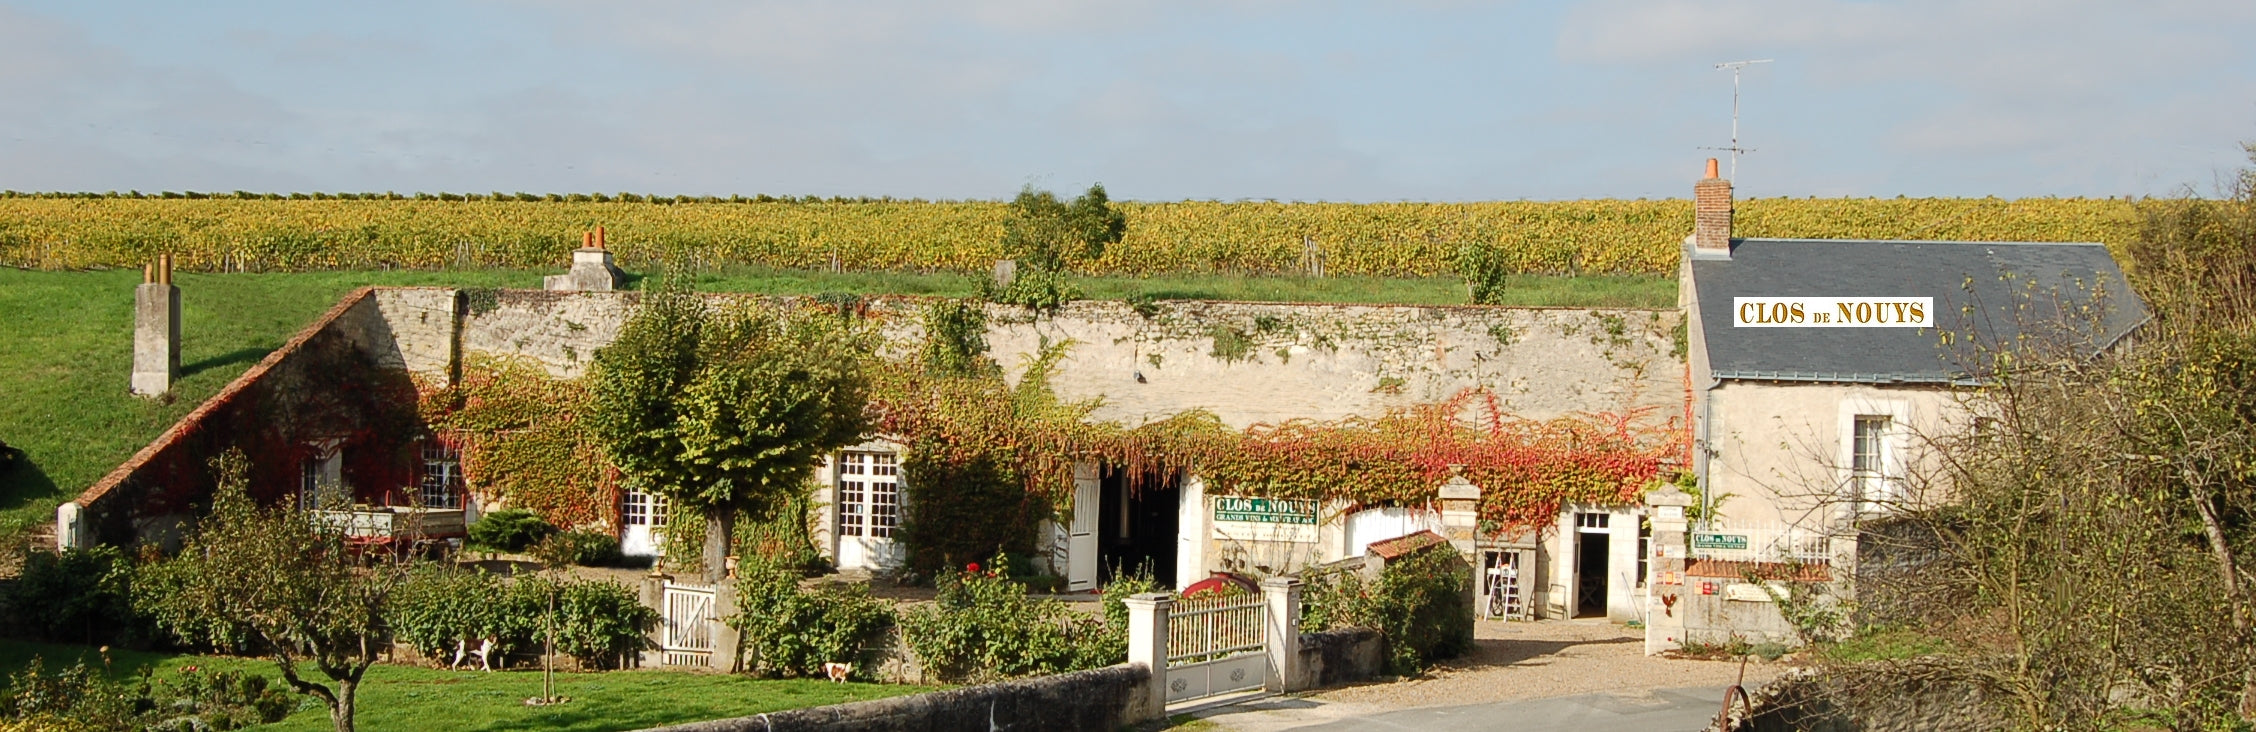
column 1711, row 215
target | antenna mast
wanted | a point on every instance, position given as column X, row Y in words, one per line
column 1736, row 67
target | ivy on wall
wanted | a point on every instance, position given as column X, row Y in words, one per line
column 987, row 459
column 521, row 440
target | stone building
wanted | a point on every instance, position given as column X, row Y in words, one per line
column 1281, row 362
column 1818, row 369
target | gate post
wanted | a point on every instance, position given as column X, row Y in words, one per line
column 1147, row 646
column 1282, row 628
column 1664, row 631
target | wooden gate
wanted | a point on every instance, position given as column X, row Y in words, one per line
column 688, row 636
column 1217, row 643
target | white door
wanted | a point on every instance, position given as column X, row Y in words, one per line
column 642, row 525
column 1081, row 539
column 869, row 510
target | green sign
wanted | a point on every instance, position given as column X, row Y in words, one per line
column 1265, row 510
column 1719, row 541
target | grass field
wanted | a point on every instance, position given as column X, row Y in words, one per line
column 66, row 343
column 411, row 698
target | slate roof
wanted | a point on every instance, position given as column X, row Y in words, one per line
column 1992, row 291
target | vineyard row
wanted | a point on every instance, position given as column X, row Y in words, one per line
column 1386, row 239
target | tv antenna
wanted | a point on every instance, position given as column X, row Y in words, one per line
column 1736, row 67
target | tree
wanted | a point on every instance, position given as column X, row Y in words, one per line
column 1050, row 235
column 1046, row 236
column 282, row 582
column 728, row 411
column 2088, row 557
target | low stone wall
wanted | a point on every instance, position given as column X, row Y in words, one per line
column 1340, row 656
column 1100, row 700
column 1801, row 701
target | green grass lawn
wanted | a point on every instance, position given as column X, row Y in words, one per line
column 412, row 698
column 66, row 340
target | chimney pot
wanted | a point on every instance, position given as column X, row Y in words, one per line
column 1712, row 174
column 599, row 237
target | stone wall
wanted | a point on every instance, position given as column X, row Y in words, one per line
column 326, row 383
column 1098, row 700
column 1246, row 362
column 1804, row 701
column 1339, row 657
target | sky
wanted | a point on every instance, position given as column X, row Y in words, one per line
column 1158, row 100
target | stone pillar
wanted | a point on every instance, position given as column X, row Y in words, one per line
column 72, row 531
column 156, row 330
column 1282, row 624
column 1460, row 513
column 1664, row 585
column 1006, row 271
column 1147, row 647
column 1460, row 524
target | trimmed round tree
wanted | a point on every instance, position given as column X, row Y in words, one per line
column 727, row 410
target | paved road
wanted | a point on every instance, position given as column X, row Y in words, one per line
column 1658, row 710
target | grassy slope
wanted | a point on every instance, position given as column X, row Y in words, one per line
column 66, row 345
column 409, row 698
column 66, row 352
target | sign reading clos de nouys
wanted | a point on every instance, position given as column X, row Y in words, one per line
column 1833, row 312
column 1265, row 510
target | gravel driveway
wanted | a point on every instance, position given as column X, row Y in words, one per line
column 1511, row 661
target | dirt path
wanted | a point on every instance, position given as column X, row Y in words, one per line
column 1511, row 661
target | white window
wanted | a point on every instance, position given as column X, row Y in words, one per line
column 309, row 483
column 642, row 509
column 1868, row 476
column 1591, row 522
column 869, row 494
column 441, row 486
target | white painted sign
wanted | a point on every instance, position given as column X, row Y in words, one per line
column 1747, row 593
column 1833, row 312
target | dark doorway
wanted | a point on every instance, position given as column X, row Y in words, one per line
column 1137, row 527
column 1590, row 574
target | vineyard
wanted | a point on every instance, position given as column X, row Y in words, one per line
column 252, row 233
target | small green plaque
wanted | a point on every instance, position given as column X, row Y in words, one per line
column 1719, row 541
column 1265, row 510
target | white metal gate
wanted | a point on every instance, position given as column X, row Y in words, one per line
column 1216, row 643
column 688, row 636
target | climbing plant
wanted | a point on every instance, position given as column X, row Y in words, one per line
column 523, row 438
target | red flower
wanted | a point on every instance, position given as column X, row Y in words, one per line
column 972, row 568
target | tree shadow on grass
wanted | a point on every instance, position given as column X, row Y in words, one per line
column 21, row 480
column 240, row 355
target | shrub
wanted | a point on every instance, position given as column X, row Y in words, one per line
column 76, row 596
column 441, row 605
column 1418, row 603
column 582, row 548
column 84, row 698
column 983, row 626
column 509, row 530
column 600, row 623
column 791, row 631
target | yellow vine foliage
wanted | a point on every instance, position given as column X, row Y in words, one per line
column 1384, row 239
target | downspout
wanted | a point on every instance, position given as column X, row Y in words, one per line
column 1700, row 451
